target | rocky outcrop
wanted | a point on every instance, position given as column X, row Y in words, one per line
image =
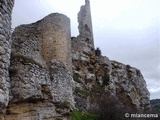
column 37, row 93
column 38, row 111
column 130, row 87
column 99, row 79
column 110, row 88
column 155, row 103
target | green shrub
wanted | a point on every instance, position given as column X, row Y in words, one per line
column 89, row 80
column 97, row 88
column 82, row 92
column 77, row 115
column 76, row 77
column 64, row 104
column 98, row 52
column 26, row 59
column 106, row 79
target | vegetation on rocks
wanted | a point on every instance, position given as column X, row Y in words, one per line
column 64, row 104
column 106, row 78
column 82, row 92
column 155, row 105
column 76, row 77
column 98, row 52
column 26, row 59
column 77, row 115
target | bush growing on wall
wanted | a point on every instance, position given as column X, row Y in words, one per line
column 77, row 115
column 98, row 52
column 106, row 78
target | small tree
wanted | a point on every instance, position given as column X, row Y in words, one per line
column 98, row 52
column 106, row 79
column 108, row 107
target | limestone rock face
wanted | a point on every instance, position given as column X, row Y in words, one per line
column 99, row 75
column 129, row 86
column 112, row 81
column 38, row 93
column 62, row 84
column 29, row 82
column 36, row 111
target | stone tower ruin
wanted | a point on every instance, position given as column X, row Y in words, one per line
column 85, row 24
column 83, row 44
column 45, row 40
column 56, row 39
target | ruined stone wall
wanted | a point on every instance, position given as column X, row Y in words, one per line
column 5, row 49
column 41, row 44
column 38, row 71
column 26, row 40
column 45, row 40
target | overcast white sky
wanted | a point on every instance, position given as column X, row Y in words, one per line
column 127, row 31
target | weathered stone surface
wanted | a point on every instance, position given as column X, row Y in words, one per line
column 83, row 44
column 29, row 82
column 98, row 74
column 111, row 78
column 36, row 111
column 85, row 24
column 62, row 85
column 56, row 39
column 44, row 40
column 34, row 74
column 33, row 52
column 130, row 84
column 5, row 44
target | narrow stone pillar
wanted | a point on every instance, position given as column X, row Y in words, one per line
column 85, row 24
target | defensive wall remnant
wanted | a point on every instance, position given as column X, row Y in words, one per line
column 45, row 40
column 5, row 50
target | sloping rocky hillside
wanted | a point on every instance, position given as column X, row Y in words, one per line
column 155, row 103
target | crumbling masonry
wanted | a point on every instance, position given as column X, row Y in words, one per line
column 45, row 40
column 5, row 50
